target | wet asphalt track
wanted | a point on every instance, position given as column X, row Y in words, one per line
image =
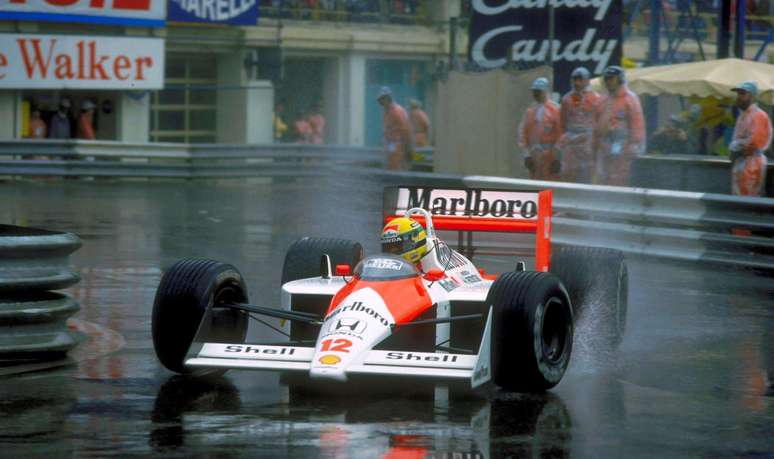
column 690, row 380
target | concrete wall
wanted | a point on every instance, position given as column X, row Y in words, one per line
column 244, row 107
column 134, row 117
column 10, row 123
column 350, row 100
column 477, row 117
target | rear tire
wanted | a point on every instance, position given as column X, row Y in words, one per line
column 186, row 291
column 532, row 331
column 597, row 280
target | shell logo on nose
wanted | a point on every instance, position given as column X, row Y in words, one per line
column 330, row 359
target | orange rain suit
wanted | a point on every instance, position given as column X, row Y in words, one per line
column 619, row 136
column 397, row 136
column 539, row 130
column 577, row 123
column 752, row 137
column 86, row 127
column 317, row 125
column 421, row 125
column 303, row 131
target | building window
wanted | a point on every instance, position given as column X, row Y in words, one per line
column 184, row 111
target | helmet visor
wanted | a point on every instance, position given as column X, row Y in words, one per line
column 403, row 243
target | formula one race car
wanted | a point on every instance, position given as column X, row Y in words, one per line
column 348, row 316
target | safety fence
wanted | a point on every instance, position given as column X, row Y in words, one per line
column 692, row 227
column 32, row 316
column 170, row 160
column 678, row 225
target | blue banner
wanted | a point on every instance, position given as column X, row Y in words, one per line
column 233, row 12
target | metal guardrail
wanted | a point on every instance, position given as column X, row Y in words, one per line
column 159, row 160
column 671, row 224
column 32, row 318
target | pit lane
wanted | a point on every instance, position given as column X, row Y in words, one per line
column 691, row 377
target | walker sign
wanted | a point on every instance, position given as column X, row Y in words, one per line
column 587, row 33
column 234, row 12
column 148, row 13
column 80, row 62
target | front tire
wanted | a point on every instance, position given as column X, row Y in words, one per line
column 532, row 331
column 187, row 290
column 302, row 259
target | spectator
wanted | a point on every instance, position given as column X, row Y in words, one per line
column 420, row 124
column 671, row 139
column 619, row 130
column 577, row 124
column 302, row 129
column 60, row 123
column 280, row 127
column 37, row 126
column 317, row 125
column 752, row 137
column 538, row 132
column 86, row 121
column 397, row 132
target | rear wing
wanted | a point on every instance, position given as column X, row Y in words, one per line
column 474, row 210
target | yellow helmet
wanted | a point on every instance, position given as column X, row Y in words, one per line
column 405, row 237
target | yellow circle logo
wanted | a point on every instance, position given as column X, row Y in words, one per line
column 330, row 359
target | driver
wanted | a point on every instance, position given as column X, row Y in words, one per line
column 405, row 237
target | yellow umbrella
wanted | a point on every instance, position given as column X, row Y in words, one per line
column 713, row 78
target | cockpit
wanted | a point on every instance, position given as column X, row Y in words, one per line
column 385, row 267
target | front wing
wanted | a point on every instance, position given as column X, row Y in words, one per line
column 438, row 366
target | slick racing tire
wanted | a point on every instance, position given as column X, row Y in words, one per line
column 187, row 290
column 597, row 280
column 302, row 259
column 532, row 331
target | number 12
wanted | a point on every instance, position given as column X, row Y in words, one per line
column 339, row 345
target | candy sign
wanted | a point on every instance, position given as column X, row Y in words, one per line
column 82, row 62
column 587, row 33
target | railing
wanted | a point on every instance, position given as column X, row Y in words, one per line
column 159, row 160
column 690, row 226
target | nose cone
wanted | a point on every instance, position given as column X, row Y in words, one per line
column 361, row 321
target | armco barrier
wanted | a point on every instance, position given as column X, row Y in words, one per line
column 700, row 173
column 32, row 318
column 168, row 160
column 670, row 224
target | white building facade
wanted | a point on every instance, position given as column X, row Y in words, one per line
column 217, row 79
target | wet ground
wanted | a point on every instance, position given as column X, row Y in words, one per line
column 691, row 378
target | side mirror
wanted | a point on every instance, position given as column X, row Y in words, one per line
column 343, row 270
column 434, row 275
column 325, row 266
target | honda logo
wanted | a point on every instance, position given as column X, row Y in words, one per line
column 348, row 324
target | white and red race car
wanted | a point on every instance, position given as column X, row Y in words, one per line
column 347, row 316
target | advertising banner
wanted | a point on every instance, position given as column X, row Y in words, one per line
column 146, row 13
column 232, row 12
column 30, row 61
column 587, row 33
